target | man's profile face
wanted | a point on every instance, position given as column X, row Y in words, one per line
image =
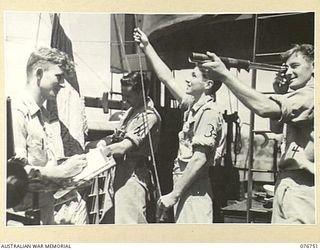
column 52, row 81
column 133, row 98
column 195, row 84
column 300, row 70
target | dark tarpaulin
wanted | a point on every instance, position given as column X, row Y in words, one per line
column 152, row 23
column 157, row 25
column 176, row 36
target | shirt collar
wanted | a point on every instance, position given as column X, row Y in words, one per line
column 131, row 110
column 149, row 103
column 30, row 103
column 310, row 82
column 202, row 101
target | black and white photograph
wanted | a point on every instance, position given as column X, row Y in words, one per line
column 169, row 118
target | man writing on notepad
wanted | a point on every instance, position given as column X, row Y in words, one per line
column 33, row 138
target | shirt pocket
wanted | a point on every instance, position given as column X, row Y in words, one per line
column 37, row 152
column 185, row 141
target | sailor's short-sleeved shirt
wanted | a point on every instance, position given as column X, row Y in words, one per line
column 30, row 131
column 137, row 124
column 202, row 127
column 33, row 143
column 297, row 115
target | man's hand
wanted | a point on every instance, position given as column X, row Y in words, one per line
column 167, row 201
column 107, row 150
column 101, row 144
column 281, row 83
column 304, row 162
column 217, row 67
column 71, row 167
column 140, row 38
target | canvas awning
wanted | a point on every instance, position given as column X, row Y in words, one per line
column 176, row 36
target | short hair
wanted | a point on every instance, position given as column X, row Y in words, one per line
column 42, row 56
column 307, row 50
column 134, row 79
column 207, row 75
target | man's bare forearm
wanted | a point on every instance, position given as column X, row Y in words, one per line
column 163, row 72
column 192, row 171
column 120, row 148
column 257, row 102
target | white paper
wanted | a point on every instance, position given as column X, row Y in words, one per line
column 97, row 163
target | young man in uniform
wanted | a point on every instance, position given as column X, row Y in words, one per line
column 33, row 138
column 200, row 141
column 132, row 150
column 294, row 195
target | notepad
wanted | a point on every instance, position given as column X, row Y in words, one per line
column 97, row 163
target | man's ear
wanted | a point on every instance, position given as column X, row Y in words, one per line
column 209, row 84
column 39, row 73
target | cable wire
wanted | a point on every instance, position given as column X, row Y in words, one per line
column 38, row 31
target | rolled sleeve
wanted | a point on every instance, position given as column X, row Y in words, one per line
column 296, row 107
column 140, row 128
column 207, row 130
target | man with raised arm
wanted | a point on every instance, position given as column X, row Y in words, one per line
column 200, row 141
column 33, row 138
column 294, row 195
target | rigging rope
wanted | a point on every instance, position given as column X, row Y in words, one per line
column 147, row 123
column 38, row 31
column 230, row 104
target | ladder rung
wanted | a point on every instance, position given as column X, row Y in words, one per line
column 261, row 131
column 261, row 171
column 258, row 210
column 93, row 195
column 256, row 170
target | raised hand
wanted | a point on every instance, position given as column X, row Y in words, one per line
column 140, row 37
column 216, row 66
column 281, row 83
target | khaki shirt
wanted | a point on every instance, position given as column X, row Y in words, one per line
column 33, row 143
column 297, row 116
column 31, row 133
column 136, row 125
column 202, row 126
